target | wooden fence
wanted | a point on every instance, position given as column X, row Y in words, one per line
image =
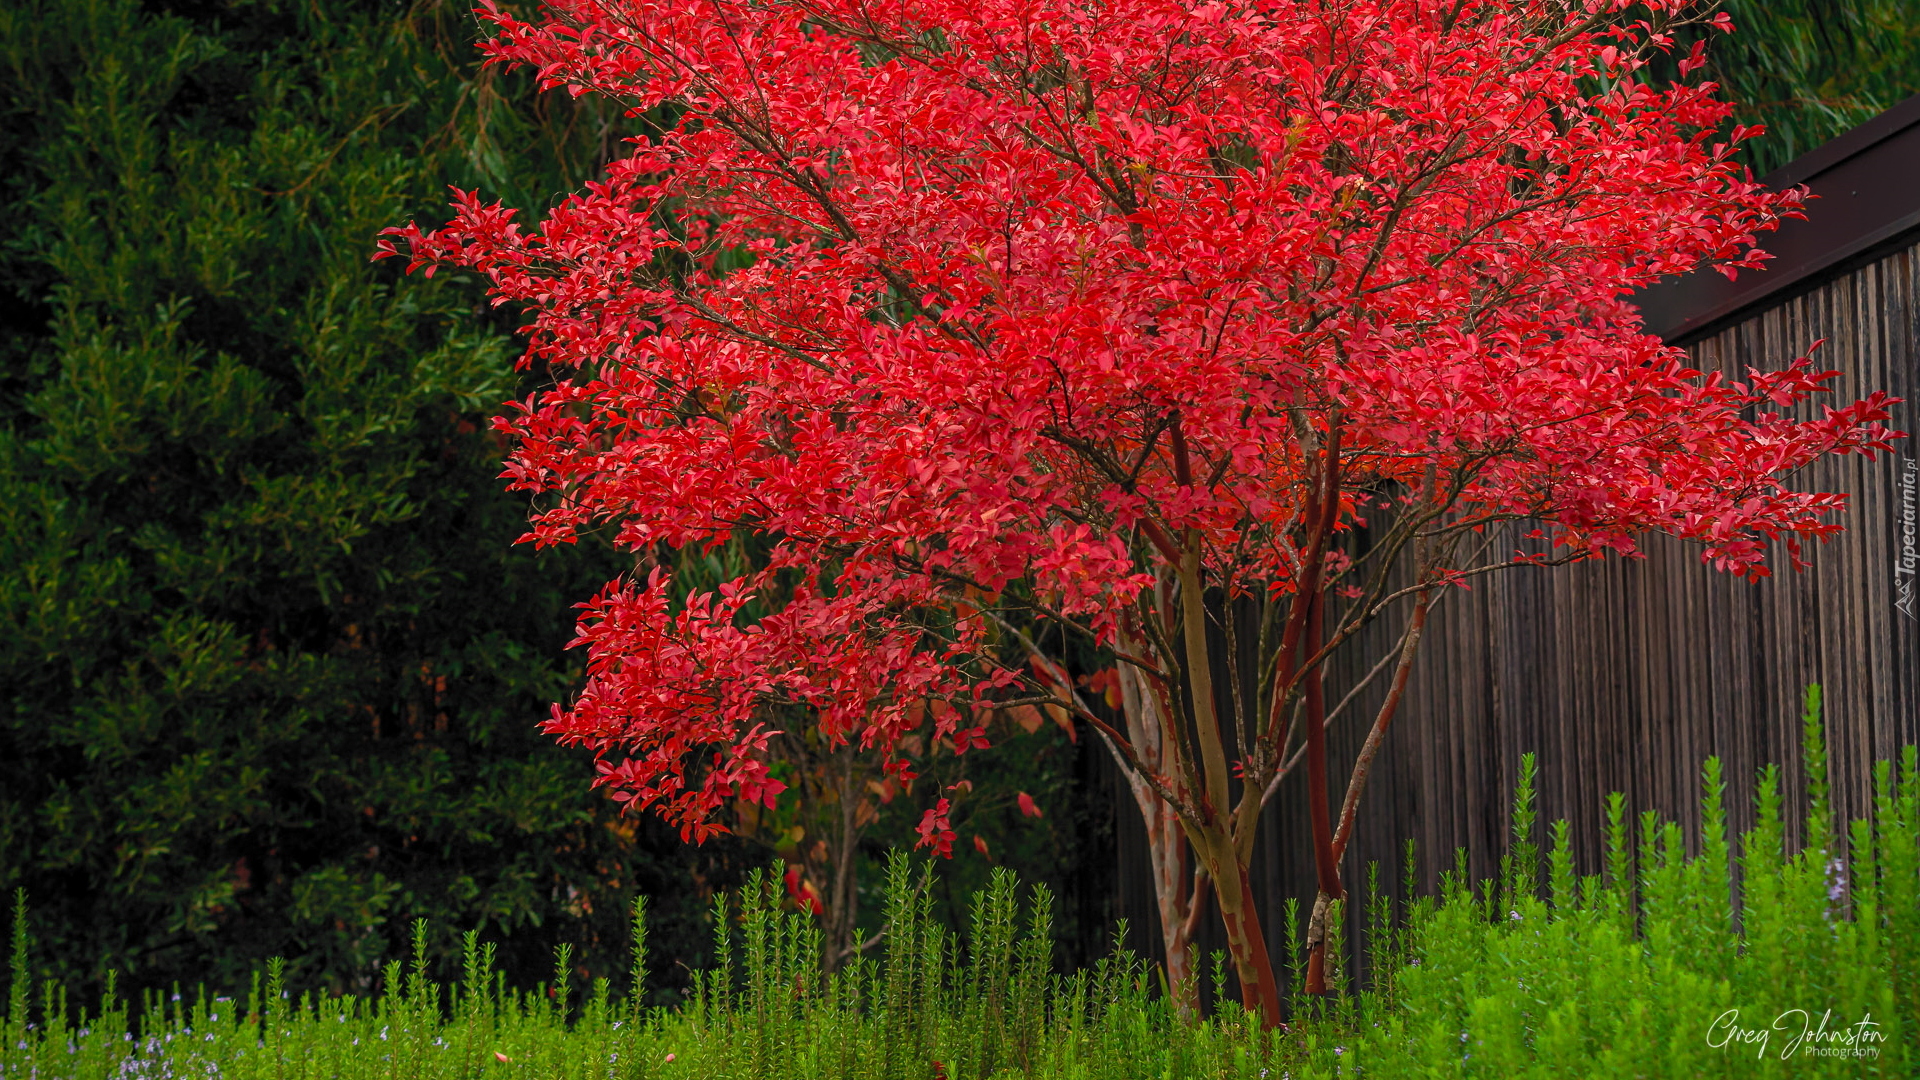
column 1625, row 675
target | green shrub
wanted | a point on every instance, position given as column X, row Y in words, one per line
column 1809, row 70
column 1641, row 971
column 1666, row 965
column 925, row 1007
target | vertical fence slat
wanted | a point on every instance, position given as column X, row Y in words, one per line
column 1623, row 675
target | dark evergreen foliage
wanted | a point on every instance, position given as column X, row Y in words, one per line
column 272, row 662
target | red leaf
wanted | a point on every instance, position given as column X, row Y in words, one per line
column 965, row 410
column 935, row 831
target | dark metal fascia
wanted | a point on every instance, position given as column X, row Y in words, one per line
column 1866, row 188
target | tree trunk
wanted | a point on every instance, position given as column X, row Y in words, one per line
column 1211, row 827
column 843, row 896
column 1325, row 862
column 1179, row 891
column 1246, row 940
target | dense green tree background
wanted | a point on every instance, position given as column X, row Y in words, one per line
column 1810, row 69
column 272, row 662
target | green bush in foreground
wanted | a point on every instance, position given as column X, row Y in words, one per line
column 923, row 1009
column 1649, row 969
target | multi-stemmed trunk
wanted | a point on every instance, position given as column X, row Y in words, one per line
column 1180, row 885
column 835, row 811
column 1174, row 749
column 1187, row 874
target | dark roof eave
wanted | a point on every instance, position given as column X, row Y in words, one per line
column 1866, row 185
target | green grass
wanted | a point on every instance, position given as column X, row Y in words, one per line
column 1676, row 961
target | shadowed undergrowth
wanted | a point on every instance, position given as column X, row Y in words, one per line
column 1709, row 956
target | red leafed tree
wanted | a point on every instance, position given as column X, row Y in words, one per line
column 1011, row 322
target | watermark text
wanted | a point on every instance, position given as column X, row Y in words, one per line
column 1798, row 1032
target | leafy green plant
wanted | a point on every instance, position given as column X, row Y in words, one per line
column 1671, row 964
column 927, row 1007
column 1807, row 70
column 1811, row 69
column 1713, row 956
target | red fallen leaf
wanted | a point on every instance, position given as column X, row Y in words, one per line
column 502, row 1058
column 1027, row 806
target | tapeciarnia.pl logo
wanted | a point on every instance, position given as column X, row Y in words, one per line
column 1906, row 558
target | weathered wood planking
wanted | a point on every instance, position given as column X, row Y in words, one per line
column 1625, row 675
